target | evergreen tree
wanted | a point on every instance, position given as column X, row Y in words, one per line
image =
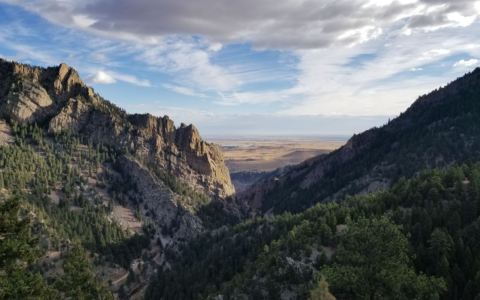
column 79, row 281
column 18, row 251
column 372, row 262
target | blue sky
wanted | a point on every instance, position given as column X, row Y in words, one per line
column 300, row 67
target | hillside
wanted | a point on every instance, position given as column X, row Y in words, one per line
column 87, row 180
column 96, row 203
column 439, row 129
column 416, row 240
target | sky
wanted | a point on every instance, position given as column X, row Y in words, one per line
column 252, row 67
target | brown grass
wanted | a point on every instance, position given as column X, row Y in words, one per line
column 270, row 154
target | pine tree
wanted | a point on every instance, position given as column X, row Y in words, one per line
column 372, row 262
column 18, row 251
column 79, row 281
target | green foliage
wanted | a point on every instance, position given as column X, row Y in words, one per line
column 435, row 240
column 78, row 281
column 18, row 252
column 124, row 251
column 372, row 262
column 216, row 213
column 34, row 168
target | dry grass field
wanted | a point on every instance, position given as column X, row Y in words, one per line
column 267, row 154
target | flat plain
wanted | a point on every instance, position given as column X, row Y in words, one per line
column 267, row 154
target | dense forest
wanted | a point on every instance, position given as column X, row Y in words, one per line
column 395, row 214
column 417, row 240
column 96, row 195
column 78, row 226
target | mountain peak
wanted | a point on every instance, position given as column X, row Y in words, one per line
column 58, row 97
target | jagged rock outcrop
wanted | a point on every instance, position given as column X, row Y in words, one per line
column 57, row 96
column 26, row 102
column 182, row 152
column 160, row 205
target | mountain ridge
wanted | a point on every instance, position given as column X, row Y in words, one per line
column 115, row 190
column 368, row 161
column 58, row 96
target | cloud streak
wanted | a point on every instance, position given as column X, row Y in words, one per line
column 191, row 62
column 343, row 57
column 290, row 24
column 110, row 77
column 465, row 63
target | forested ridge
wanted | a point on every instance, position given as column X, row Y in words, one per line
column 439, row 129
column 125, row 201
column 418, row 240
column 78, row 227
column 94, row 189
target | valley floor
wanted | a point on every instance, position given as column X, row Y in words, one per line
column 248, row 159
column 270, row 153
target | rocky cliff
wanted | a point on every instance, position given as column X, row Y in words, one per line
column 57, row 98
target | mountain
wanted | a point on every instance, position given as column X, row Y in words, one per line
column 94, row 188
column 439, row 129
column 59, row 99
column 99, row 204
column 416, row 240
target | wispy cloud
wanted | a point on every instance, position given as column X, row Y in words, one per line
column 294, row 58
column 191, row 63
column 131, row 79
column 466, row 63
column 110, row 77
column 183, row 90
column 291, row 24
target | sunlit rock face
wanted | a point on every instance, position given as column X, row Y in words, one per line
column 56, row 96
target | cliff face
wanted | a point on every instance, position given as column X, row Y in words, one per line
column 58, row 98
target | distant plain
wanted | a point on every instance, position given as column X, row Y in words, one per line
column 264, row 154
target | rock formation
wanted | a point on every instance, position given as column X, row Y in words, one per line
column 57, row 97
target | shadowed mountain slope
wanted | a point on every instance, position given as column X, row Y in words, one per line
column 439, row 129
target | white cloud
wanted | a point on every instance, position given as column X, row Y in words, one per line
column 384, row 84
column 291, row 24
column 183, row 90
column 102, row 77
column 466, row 63
column 82, row 21
column 110, row 77
column 434, row 53
column 460, row 20
column 263, row 97
column 360, row 35
column 131, row 79
column 191, row 63
column 215, row 47
column 183, row 38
